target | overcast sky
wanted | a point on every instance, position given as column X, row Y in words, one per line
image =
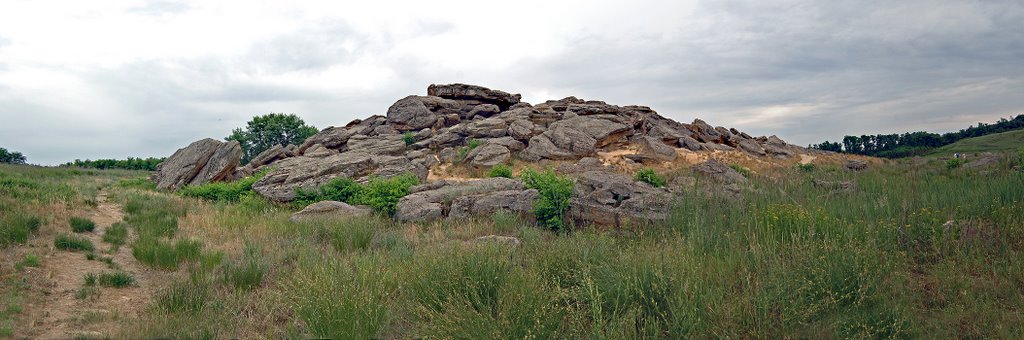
column 80, row 79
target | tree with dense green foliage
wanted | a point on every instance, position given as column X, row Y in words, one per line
column 914, row 143
column 11, row 157
column 131, row 163
column 263, row 132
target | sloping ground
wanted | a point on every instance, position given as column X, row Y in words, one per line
column 999, row 142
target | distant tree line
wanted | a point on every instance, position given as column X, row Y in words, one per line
column 914, row 143
column 129, row 164
column 11, row 157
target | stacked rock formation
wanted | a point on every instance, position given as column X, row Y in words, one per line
column 420, row 132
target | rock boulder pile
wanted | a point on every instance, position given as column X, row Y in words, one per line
column 480, row 128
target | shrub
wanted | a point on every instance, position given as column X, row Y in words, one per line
column 555, row 193
column 648, row 176
column 81, row 225
column 805, row 167
column 954, row 163
column 30, row 260
column 116, row 234
column 408, row 138
column 72, row 243
column 381, row 194
column 222, row 191
column 500, row 170
column 16, row 228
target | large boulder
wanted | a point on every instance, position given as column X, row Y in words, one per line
column 602, row 128
column 221, row 164
column 488, row 155
column 419, row 112
column 719, row 172
column 274, row 153
column 475, row 93
column 309, row 173
column 515, row 201
column 183, row 166
column 325, row 209
column 559, row 143
column 435, row 200
column 611, row 199
column 653, row 149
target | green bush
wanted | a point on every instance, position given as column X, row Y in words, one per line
column 72, row 243
column 90, row 279
column 648, row 176
column 16, row 228
column 500, row 170
column 408, row 138
column 555, row 194
column 81, row 225
column 954, row 163
column 117, row 279
column 381, row 194
column 222, row 191
column 805, row 167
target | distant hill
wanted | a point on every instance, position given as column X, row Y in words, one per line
column 1005, row 141
column 915, row 143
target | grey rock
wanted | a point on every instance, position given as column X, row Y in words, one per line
column 432, row 204
column 704, row 132
column 750, row 146
column 488, row 155
column 856, row 165
column 654, row 149
column 309, row 173
column 482, row 110
column 717, row 147
column 332, row 137
column 377, row 145
column 560, row 143
column 583, row 165
column 418, row 112
column 602, row 128
column 490, row 127
column 325, row 209
column 473, row 92
column 447, row 155
column 612, row 199
column 268, row 156
column 184, row 164
column 519, row 202
column 521, row 129
column 221, row 164
column 690, row 144
column 511, row 143
column 719, row 172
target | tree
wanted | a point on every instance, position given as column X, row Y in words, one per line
column 263, row 132
column 11, row 157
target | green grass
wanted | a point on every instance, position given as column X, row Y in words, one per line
column 166, row 254
column 249, row 271
column 15, row 227
column 30, row 260
column 73, row 243
column 81, row 224
column 500, row 170
column 648, row 176
column 116, row 235
column 1000, row 142
column 223, row 191
column 380, row 194
column 117, row 279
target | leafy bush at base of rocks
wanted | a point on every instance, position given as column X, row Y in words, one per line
column 500, row 170
column 222, row 191
column 555, row 193
column 648, row 176
column 380, row 194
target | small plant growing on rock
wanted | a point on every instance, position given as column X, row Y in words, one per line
column 647, row 175
column 408, row 138
column 500, row 170
column 81, row 225
column 463, row 151
column 555, row 194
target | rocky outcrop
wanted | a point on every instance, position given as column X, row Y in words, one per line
column 201, row 162
column 610, row 199
column 474, row 93
column 453, row 199
column 326, row 209
column 856, row 165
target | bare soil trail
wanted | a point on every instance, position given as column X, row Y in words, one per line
column 55, row 309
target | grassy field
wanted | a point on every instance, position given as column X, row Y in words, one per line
column 1000, row 142
column 915, row 250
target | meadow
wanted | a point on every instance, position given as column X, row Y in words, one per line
column 917, row 249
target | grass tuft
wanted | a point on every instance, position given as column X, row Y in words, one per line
column 72, row 243
column 81, row 224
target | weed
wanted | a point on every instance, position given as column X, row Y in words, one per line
column 500, row 170
column 647, row 175
column 805, row 167
column 249, row 272
column 222, row 191
column 408, row 138
column 463, row 151
column 116, row 235
column 81, row 224
column 954, row 163
column 72, row 243
column 88, row 292
column 15, row 228
column 165, row 254
column 90, row 279
column 745, row 171
column 188, row 296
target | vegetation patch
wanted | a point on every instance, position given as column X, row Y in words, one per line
column 223, row 191
column 555, row 194
column 249, row 271
column 166, row 254
column 30, row 260
column 461, row 153
column 15, row 227
column 117, row 279
column 72, row 243
column 81, row 224
column 647, row 175
column 380, row 194
column 116, row 235
column 500, row 170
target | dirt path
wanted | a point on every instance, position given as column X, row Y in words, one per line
column 59, row 311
